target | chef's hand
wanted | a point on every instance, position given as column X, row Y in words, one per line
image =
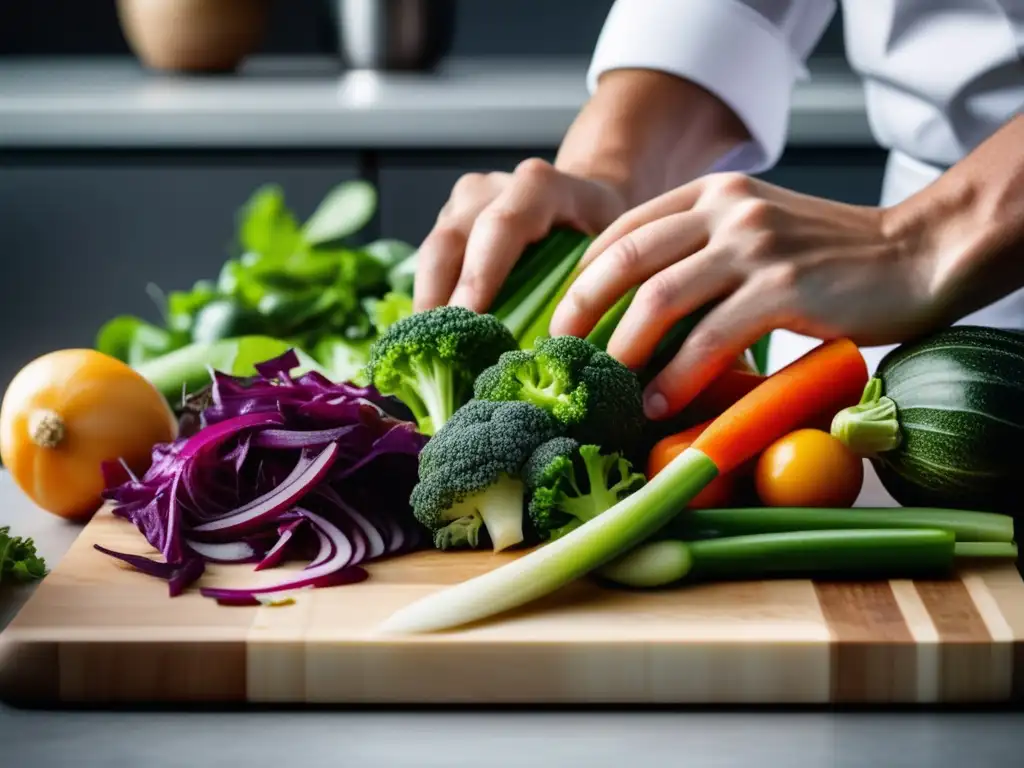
column 489, row 220
column 772, row 257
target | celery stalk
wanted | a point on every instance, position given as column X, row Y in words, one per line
column 554, row 565
column 965, row 525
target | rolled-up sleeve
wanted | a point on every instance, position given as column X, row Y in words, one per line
column 749, row 53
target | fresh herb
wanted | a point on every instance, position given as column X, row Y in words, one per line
column 303, row 284
column 19, row 560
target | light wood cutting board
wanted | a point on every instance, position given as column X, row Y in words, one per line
column 96, row 631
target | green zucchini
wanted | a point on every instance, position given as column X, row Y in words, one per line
column 942, row 421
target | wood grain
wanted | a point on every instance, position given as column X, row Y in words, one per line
column 97, row 631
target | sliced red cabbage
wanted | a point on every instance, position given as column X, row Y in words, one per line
column 305, row 476
column 281, row 468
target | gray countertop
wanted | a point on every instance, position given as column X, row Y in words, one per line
column 302, row 102
column 482, row 738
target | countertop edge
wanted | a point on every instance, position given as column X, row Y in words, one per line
column 110, row 104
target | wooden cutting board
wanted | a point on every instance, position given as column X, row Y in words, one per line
column 96, row 631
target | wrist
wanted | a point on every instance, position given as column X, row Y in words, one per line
column 645, row 132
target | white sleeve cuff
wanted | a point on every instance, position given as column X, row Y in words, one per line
column 725, row 47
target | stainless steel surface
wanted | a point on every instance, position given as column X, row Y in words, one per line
column 393, row 34
column 302, row 102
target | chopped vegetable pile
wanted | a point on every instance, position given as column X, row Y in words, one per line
column 297, row 411
column 279, row 468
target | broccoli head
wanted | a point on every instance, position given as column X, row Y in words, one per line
column 469, row 473
column 569, row 484
column 430, row 359
column 596, row 397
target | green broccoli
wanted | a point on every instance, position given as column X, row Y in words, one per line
column 430, row 359
column 596, row 397
column 559, row 501
column 469, row 473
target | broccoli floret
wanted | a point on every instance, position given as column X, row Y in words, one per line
column 469, row 473
column 430, row 359
column 596, row 397
column 569, row 484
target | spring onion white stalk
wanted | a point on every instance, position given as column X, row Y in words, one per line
column 554, row 565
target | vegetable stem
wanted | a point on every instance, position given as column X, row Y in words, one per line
column 965, row 525
column 872, row 426
column 863, row 552
column 987, row 549
column 46, row 428
column 547, row 568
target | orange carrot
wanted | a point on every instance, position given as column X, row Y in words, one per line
column 718, row 493
column 829, row 377
column 725, row 390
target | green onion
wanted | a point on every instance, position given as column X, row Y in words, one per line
column 867, row 552
column 965, row 525
column 537, row 277
column 560, row 562
column 987, row 549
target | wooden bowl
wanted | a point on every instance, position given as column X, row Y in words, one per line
column 193, row 35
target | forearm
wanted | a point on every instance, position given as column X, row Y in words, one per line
column 646, row 132
column 970, row 223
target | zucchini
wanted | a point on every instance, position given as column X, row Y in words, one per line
column 942, row 421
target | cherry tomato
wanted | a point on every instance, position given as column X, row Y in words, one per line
column 808, row 468
column 720, row 492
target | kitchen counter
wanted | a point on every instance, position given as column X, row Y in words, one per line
column 309, row 103
column 424, row 739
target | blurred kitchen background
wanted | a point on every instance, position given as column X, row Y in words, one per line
column 114, row 175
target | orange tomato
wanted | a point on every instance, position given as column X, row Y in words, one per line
column 720, row 492
column 808, row 468
column 65, row 414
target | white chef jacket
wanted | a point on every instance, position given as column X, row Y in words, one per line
column 940, row 76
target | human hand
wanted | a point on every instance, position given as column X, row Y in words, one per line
column 490, row 219
column 772, row 258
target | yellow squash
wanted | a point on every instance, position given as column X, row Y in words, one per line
column 66, row 413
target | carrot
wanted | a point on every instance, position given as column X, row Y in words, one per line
column 829, row 377
column 720, row 492
column 725, row 390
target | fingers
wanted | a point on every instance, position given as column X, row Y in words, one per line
column 441, row 252
column 521, row 214
column 625, row 263
column 754, row 309
column 667, row 298
column 678, row 200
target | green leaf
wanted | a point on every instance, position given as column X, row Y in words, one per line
column 267, row 227
column 388, row 310
column 182, row 306
column 344, row 211
column 344, row 360
column 389, row 253
column 225, row 319
column 19, row 560
column 132, row 339
column 402, row 276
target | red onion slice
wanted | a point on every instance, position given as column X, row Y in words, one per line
column 334, row 567
column 306, row 474
column 292, row 438
column 224, row 552
column 276, row 553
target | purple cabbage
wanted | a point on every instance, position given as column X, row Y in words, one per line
column 280, row 469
